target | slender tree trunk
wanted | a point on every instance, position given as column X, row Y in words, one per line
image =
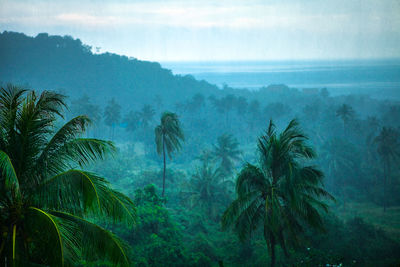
column 385, row 166
column 283, row 244
column 163, row 187
column 273, row 259
column 389, row 177
column 344, row 127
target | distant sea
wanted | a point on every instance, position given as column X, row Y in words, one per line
column 378, row 78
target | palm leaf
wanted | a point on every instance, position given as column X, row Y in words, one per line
column 95, row 241
column 82, row 193
column 45, row 233
column 86, row 150
column 8, row 174
column 66, row 133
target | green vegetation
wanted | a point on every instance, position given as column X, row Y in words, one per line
column 233, row 167
column 46, row 201
column 388, row 150
column 168, row 137
column 281, row 194
column 227, row 152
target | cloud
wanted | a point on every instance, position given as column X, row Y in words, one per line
column 238, row 15
column 247, row 29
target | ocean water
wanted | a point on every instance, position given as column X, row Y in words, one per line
column 378, row 78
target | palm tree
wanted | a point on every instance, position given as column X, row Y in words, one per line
column 241, row 105
column 146, row 115
column 196, row 103
column 168, row 137
column 112, row 115
column 206, row 190
column 388, row 149
column 338, row 159
column 346, row 113
column 281, row 194
column 227, row 151
column 45, row 199
column 83, row 106
column 132, row 121
column 205, row 156
column 336, row 154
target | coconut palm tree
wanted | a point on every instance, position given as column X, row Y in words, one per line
column 112, row 115
column 346, row 113
column 47, row 202
column 227, row 152
column 337, row 156
column 206, row 190
column 132, row 121
column 388, row 142
column 280, row 195
column 168, row 137
column 146, row 115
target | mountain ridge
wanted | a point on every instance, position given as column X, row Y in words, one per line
column 53, row 62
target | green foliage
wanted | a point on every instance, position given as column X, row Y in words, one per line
column 184, row 230
column 44, row 202
column 169, row 134
column 227, row 152
column 168, row 137
column 207, row 191
column 156, row 239
column 112, row 113
column 280, row 195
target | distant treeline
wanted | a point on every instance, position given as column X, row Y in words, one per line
column 67, row 65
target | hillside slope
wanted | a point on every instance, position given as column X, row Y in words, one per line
column 64, row 63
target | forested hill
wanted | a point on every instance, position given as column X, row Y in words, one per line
column 68, row 65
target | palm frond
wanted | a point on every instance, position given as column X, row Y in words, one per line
column 159, row 138
column 10, row 100
column 45, row 233
column 83, row 193
column 66, row 133
column 85, row 150
column 9, row 175
column 250, row 179
column 95, row 241
column 236, row 207
column 50, row 103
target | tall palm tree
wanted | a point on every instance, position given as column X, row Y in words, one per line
column 112, row 115
column 388, row 142
column 346, row 113
column 281, row 194
column 45, row 198
column 168, row 137
column 227, row 151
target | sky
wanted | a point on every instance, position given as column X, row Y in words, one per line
column 204, row 30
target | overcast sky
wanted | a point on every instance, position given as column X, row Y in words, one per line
column 217, row 30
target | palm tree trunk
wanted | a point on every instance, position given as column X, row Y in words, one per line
column 273, row 259
column 163, row 187
column 283, row 244
column 385, row 166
